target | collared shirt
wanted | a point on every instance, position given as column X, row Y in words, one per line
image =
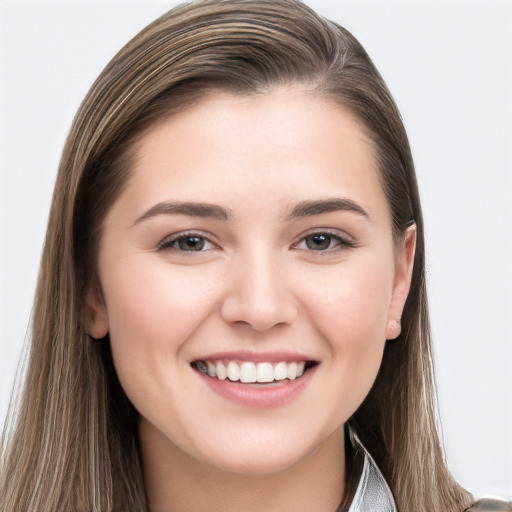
column 373, row 493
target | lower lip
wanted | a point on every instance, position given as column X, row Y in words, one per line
column 263, row 396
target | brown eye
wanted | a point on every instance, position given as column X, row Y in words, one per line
column 324, row 242
column 186, row 243
column 190, row 243
column 318, row 242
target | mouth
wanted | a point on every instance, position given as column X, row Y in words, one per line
column 249, row 372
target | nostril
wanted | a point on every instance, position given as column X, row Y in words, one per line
column 259, row 295
column 260, row 316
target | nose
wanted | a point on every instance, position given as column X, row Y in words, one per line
column 259, row 295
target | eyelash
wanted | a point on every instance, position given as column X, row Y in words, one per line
column 168, row 242
column 340, row 242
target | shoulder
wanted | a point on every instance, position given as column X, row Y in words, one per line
column 490, row 505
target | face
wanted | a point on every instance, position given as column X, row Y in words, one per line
column 249, row 279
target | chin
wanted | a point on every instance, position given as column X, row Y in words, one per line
column 259, row 465
column 266, row 455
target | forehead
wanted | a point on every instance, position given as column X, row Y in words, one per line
column 282, row 144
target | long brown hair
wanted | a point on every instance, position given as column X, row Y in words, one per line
column 73, row 442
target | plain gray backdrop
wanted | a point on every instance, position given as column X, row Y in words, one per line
column 449, row 65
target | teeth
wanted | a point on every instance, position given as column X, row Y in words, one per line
column 233, row 371
column 221, row 371
column 264, row 372
column 280, row 371
column 211, row 369
column 202, row 367
column 248, row 372
column 291, row 371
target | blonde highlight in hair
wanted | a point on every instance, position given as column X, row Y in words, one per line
column 73, row 443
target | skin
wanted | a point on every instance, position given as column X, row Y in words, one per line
column 256, row 285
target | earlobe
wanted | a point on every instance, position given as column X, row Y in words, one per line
column 393, row 330
column 402, row 281
column 95, row 314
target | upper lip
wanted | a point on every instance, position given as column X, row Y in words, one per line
column 274, row 356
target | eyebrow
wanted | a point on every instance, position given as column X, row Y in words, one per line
column 186, row 208
column 302, row 209
column 319, row 206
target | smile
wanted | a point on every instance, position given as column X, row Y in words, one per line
column 249, row 372
column 255, row 380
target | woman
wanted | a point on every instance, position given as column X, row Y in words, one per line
column 219, row 125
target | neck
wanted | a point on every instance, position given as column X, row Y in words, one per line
column 176, row 482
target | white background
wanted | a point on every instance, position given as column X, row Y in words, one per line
column 448, row 64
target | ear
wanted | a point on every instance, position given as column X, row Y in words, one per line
column 404, row 262
column 95, row 314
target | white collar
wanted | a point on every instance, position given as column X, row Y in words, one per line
column 373, row 493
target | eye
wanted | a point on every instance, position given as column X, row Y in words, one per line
column 318, row 242
column 322, row 241
column 186, row 242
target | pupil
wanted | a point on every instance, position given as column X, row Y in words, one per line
column 191, row 243
column 318, row 242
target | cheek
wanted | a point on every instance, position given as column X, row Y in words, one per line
column 350, row 312
column 152, row 300
column 152, row 311
column 352, row 299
